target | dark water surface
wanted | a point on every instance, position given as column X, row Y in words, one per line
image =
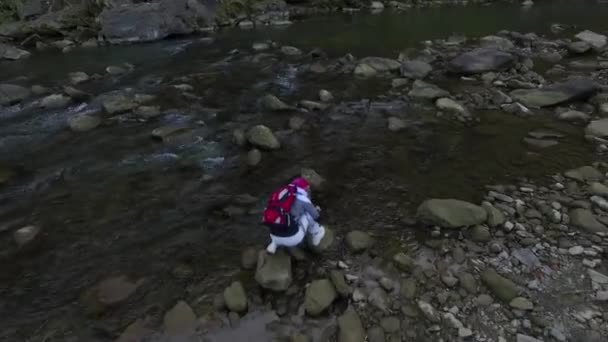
column 113, row 201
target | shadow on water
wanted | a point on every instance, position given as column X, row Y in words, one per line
column 113, row 201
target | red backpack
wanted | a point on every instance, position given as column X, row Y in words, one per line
column 276, row 214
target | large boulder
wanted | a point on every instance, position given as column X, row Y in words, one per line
column 450, row 213
column 596, row 40
column 319, row 296
column 554, row 94
column 11, row 94
column 481, row 60
column 235, row 297
column 144, row 22
column 12, row 53
column 261, row 136
column 351, row 328
column 500, row 286
column 274, row 271
column 416, row 69
column 585, row 220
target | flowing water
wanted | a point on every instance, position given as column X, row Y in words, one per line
column 114, row 201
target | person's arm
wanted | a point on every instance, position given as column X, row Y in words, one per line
column 310, row 209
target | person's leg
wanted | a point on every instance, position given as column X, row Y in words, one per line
column 316, row 230
column 289, row 241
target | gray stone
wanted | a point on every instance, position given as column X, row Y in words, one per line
column 378, row 299
column 450, row 213
column 261, row 136
column 496, row 42
column 180, row 320
column 235, row 297
column 78, row 77
column 481, row 60
column 598, row 189
column 429, row 312
column 415, row 69
column 495, row 216
column 500, row 286
column 521, row 303
column 573, row 116
column 396, row 124
column 526, row 338
column 350, row 327
column 408, row 288
column 238, row 137
column 325, row 96
column 597, row 41
column 26, row 236
column 254, row 157
column 312, row 105
column 584, row 174
column 390, row 324
column 585, row 220
column 375, row 334
column 147, row 111
column 11, row 53
column 358, row 241
column 449, row 280
column 596, row 128
column 319, row 296
column 423, row 90
column 273, row 103
column 403, row 262
column 450, row 105
column 11, row 94
column 337, row 278
column 55, row 101
column 291, row 51
column 484, row 300
column 274, row 271
column 480, row 233
column 554, row 94
column 579, row 47
column 116, row 104
column 371, row 66
column 83, row 122
column 468, row 282
column 168, row 131
column 540, row 143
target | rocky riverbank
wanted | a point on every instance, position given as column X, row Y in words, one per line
column 523, row 264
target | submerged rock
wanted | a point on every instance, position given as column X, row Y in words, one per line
column 235, row 297
column 55, row 101
column 117, row 104
column 274, row 271
column 26, row 236
column 115, row 290
column 450, row 213
column 12, row 53
column 423, row 90
column 180, row 320
column 273, row 103
column 584, row 219
column 350, row 327
column 261, row 136
column 78, row 77
column 325, row 95
column 11, row 94
column 481, row 60
column 554, row 94
column 500, row 286
column 396, row 124
column 496, row 42
column 415, row 69
column 319, row 296
column 83, row 122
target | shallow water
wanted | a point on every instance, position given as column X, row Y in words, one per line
column 113, row 201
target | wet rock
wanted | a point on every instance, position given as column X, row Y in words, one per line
column 27, row 236
column 584, row 174
column 115, row 290
column 239, row 138
column 371, row 66
column 449, row 280
column 39, row 90
column 573, row 116
column 597, row 41
column 376, row 6
column 576, row 250
column 254, row 157
column 429, row 312
column 468, row 282
column 316, row 180
column 165, row 132
column 585, row 220
column 147, row 111
column 319, row 296
column 480, row 233
column 261, row 136
column 396, row 124
column 136, row 331
column 326, row 242
column 408, row 288
column 403, row 262
column 450, row 213
column 291, row 51
column 337, row 278
column 273, row 103
column 55, row 101
column 423, row 90
column 526, row 338
column 180, row 320
column 495, row 217
column 235, row 297
column 350, row 327
column 387, row 284
column 450, row 105
column 500, row 286
column 375, row 334
column 78, row 77
column 540, row 143
column 144, row 22
column 598, row 189
column 296, row 123
column 579, row 47
column 554, row 94
column 325, row 96
column 260, row 46
column 391, row 324
column 415, row 69
column 597, row 128
column 274, row 271
column 358, row 241
column 496, row 42
column 312, row 105
column 115, row 70
column 399, row 82
column 378, row 299
column 11, row 94
column 117, row 104
column 521, row 303
column 83, row 122
column 481, row 60
column 484, row 300
column 11, row 53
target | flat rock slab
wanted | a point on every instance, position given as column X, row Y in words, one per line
column 554, row 94
column 450, row 213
